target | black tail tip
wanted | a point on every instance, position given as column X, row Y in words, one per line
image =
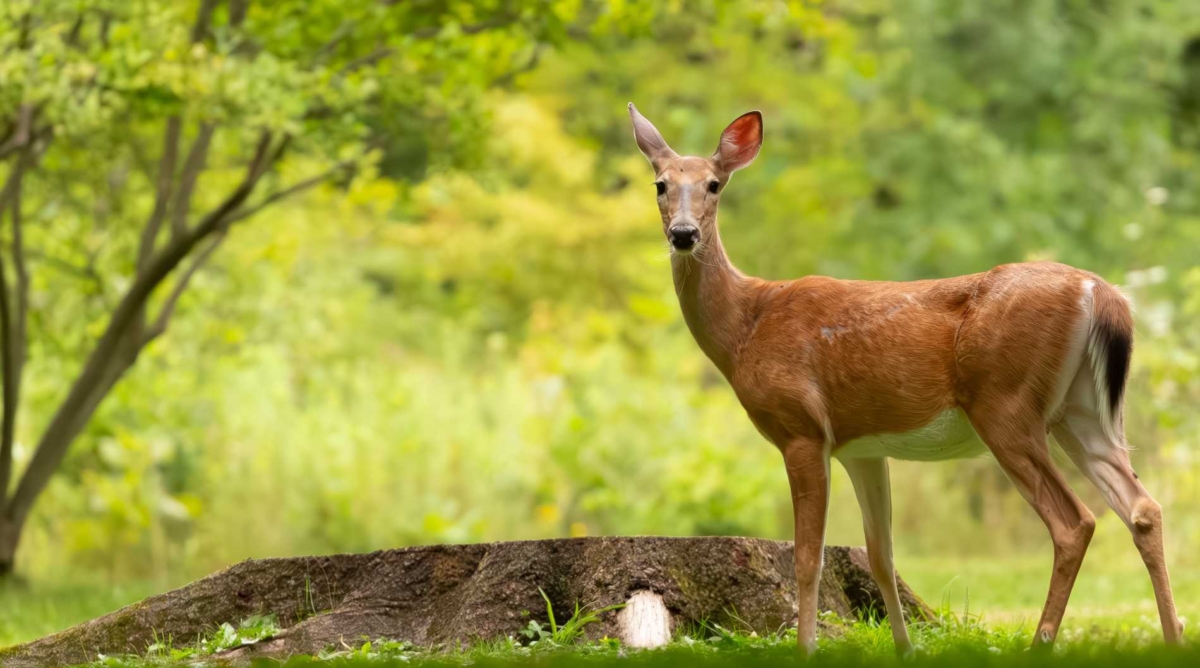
column 1116, row 368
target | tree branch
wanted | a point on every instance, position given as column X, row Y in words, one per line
column 162, row 190
column 72, row 38
column 203, row 20
column 168, row 308
column 20, row 266
column 105, row 27
column 300, row 186
column 237, row 12
column 23, row 133
column 113, row 354
column 198, row 154
column 274, row 156
column 12, row 324
column 367, row 60
column 8, row 428
column 160, row 324
column 141, row 161
column 192, row 167
column 10, row 186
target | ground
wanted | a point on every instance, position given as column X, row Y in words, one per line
column 990, row 608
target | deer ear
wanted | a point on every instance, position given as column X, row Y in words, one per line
column 740, row 142
column 652, row 144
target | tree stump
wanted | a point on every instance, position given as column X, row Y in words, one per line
column 446, row 595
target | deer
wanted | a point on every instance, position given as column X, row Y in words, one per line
column 928, row 370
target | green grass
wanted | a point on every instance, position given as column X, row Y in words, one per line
column 782, row 656
column 990, row 606
column 1112, row 591
column 32, row 610
column 950, row 642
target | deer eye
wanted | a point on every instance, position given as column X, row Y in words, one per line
column 714, row 186
column 660, row 187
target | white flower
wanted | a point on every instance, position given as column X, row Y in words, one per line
column 1157, row 196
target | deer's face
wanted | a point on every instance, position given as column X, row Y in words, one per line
column 688, row 188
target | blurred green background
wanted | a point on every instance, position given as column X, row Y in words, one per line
column 474, row 337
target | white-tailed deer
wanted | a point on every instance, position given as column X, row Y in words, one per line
column 861, row 371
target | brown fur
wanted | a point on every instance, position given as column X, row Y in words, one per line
column 819, row 362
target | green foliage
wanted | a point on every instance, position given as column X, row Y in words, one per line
column 250, row 631
column 569, row 631
column 478, row 340
column 375, row 651
column 165, row 651
column 116, row 111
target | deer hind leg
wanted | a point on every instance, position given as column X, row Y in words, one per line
column 807, row 463
column 1017, row 438
column 873, row 489
column 1105, row 462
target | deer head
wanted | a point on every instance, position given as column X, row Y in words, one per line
column 688, row 187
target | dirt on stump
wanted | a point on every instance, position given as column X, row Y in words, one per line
column 445, row 595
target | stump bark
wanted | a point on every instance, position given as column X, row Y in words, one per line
column 444, row 595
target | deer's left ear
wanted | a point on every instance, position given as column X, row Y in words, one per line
column 740, row 142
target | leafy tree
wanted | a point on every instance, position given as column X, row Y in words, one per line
column 134, row 136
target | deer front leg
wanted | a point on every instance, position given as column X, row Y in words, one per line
column 807, row 465
column 873, row 488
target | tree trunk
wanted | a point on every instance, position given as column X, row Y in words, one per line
column 12, row 522
column 446, row 595
column 10, row 536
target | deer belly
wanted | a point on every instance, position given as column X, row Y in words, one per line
column 949, row 436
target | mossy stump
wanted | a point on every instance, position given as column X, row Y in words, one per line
column 445, row 595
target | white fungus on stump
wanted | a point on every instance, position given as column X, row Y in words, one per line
column 644, row 622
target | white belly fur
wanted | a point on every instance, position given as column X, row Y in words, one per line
column 949, row 436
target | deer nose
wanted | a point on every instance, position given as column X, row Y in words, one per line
column 683, row 237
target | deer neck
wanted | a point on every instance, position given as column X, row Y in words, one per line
column 717, row 300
